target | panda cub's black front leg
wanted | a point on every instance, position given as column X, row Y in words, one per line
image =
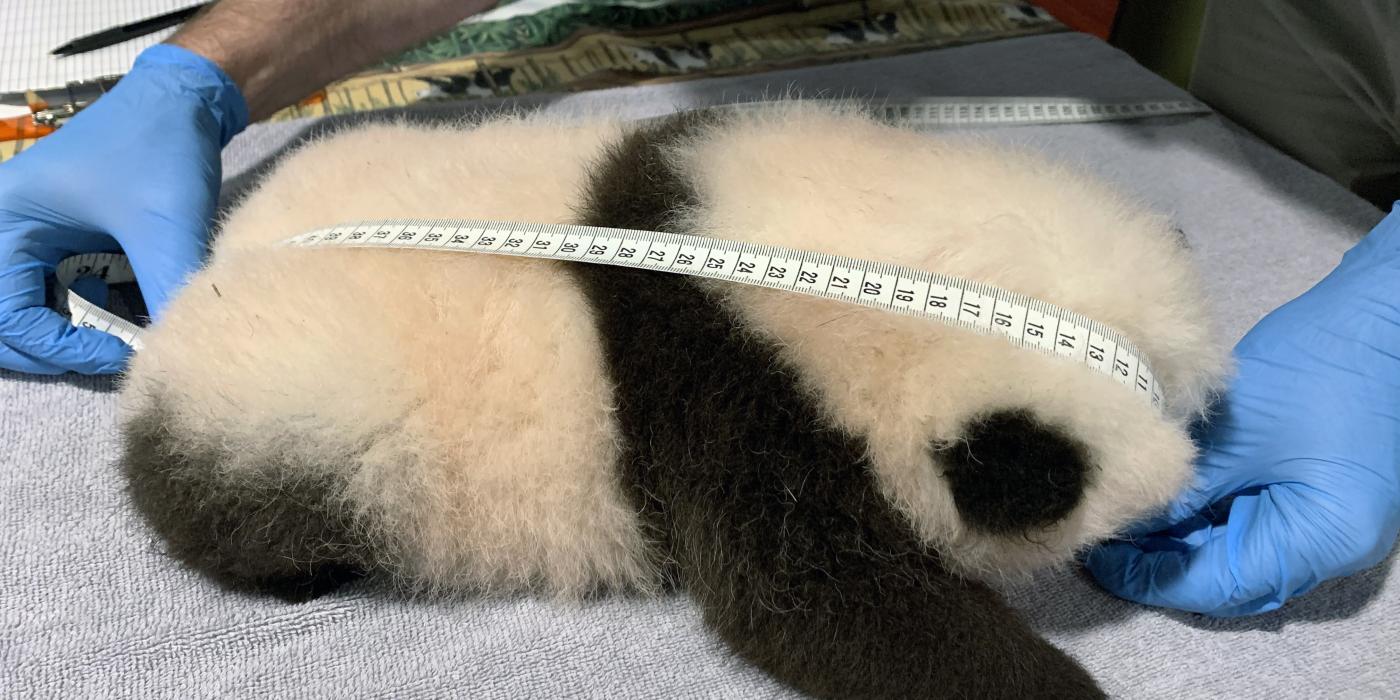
column 774, row 522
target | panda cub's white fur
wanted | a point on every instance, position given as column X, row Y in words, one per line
column 461, row 398
column 460, row 405
column 965, row 207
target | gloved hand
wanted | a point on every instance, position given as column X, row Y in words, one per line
column 137, row 171
column 1299, row 480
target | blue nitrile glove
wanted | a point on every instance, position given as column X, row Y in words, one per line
column 1299, row 480
column 138, row 171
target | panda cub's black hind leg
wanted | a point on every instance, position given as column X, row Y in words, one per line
column 853, row 618
column 264, row 532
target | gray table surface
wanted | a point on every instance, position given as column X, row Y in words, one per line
column 89, row 605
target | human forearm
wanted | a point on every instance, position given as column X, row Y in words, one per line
column 279, row 51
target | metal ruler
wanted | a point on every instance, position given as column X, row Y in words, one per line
column 1022, row 321
column 988, row 111
column 944, row 112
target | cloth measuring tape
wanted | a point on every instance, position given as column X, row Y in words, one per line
column 1020, row 320
column 1025, row 322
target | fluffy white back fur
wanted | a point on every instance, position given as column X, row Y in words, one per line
column 390, row 365
column 964, row 207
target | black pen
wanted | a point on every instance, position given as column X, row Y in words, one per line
column 126, row 32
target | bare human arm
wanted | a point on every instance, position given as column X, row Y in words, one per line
column 279, row 52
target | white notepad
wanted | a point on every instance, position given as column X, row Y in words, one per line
column 30, row 29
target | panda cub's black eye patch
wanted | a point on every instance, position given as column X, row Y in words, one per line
column 1011, row 472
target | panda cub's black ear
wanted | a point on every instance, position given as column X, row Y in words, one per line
column 1011, row 473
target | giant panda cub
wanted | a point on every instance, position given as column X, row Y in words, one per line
column 836, row 486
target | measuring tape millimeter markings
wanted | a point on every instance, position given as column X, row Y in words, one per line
column 983, row 308
column 112, row 268
column 1021, row 320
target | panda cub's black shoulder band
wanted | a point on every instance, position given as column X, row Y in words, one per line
column 767, row 514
